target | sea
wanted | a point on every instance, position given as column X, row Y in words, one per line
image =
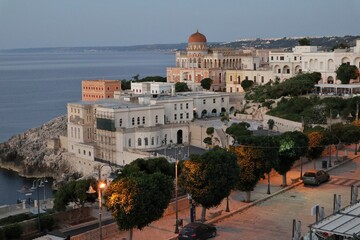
column 35, row 87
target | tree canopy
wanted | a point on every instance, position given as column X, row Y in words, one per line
column 210, row 177
column 239, row 130
column 136, row 201
column 247, row 84
column 181, row 87
column 304, row 42
column 149, row 166
column 74, row 192
column 206, row 83
column 292, row 145
column 346, row 72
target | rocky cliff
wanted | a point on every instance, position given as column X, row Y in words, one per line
column 28, row 154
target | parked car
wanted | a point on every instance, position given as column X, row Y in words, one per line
column 315, row 177
column 198, row 231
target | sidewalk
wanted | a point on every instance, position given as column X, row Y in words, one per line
column 165, row 227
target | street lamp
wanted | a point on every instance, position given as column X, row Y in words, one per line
column 36, row 184
column 101, row 186
column 176, row 198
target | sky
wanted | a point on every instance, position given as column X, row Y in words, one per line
column 74, row 23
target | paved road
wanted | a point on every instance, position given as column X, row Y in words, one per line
column 273, row 218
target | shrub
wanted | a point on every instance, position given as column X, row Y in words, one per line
column 13, row 231
column 47, row 222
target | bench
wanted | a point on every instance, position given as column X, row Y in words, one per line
column 215, row 214
column 295, row 180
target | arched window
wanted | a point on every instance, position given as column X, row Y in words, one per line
column 156, row 119
column 138, row 121
column 143, row 120
column 139, row 141
column 129, row 142
column 133, row 121
column 146, row 140
column 152, row 141
column 120, row 122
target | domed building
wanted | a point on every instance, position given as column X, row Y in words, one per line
column 198, row 62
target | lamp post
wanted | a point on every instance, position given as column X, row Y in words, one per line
column 176, row 198
column 101, row 186
column 330, row 133
column 36, row 184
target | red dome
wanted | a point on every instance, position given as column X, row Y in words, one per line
column 197, row 37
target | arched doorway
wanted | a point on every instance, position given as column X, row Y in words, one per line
column 179, row 139
column 203, row 113
column 330, row 80
column 232, row 109
column 223, row 110
column 214, row 112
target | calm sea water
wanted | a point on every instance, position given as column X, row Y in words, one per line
column 35, row 87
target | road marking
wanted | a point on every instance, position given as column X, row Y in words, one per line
column 344, row 181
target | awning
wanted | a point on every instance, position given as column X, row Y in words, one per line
column 345, row 223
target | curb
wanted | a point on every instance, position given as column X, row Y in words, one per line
column 227, row 215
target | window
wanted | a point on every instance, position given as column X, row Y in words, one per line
column 279, row 70
column 138, row 120
column 181, row 106
column 146, row 140
column 181, row 116
column 187, row 115
column 246, row 78
column 222, row 99
column 287, row 70
column 156, row 119
column 133, row 121
column 152, row 141
column 294, row 58
column 79, row 151
column 175, row 106
column 214, row 100
column 282, row 58
column 120, row 122
column 175, row 116
column 143, row 120
column 272, row 58
column 230, row 78
column 84, row 152
column 254, row 79
column 262, row 79
column 204, row 101
column 129, row 142
column 139, row 141
column 187, row 106
column 89, row 154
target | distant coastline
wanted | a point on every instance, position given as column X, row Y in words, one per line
column 325, row 42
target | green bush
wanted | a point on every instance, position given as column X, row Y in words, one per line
column 14, row 219
column 47, row 222
column 2, row 236
column 13, row 231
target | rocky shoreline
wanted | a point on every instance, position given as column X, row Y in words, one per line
column 29, row 155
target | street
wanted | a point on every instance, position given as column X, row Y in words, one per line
column 272, row 219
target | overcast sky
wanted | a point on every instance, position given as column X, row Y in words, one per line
column 65, row 23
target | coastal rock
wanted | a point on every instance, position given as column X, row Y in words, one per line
column 29, row 155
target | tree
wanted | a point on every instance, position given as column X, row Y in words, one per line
column 239, row 130
column 271, row 123
column 304, row 42
column 292, row 145
column 247, row 84
column 136, row 201
column 149, row 166
column 345, row 72
column 256, row 157
column 206, row 83
column 75, row 192
column 316, row 144
column 209, row 178
column 181, row 87
column 210, row 131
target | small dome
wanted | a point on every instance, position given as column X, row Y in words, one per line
column 197, row 37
